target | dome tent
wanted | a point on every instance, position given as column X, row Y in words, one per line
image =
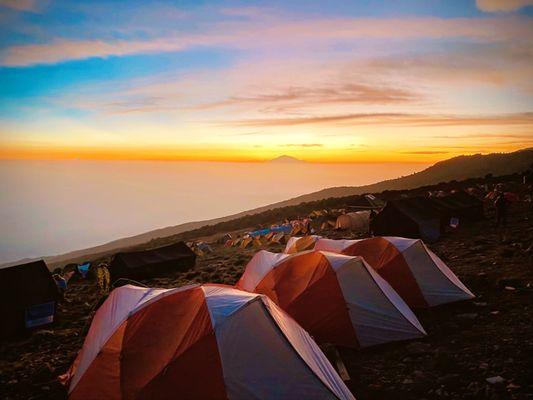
column 338, row 299
column 198, row 341
column 358, row 221
column 419, row 276
column 300, row 243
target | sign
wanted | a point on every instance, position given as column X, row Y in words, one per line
column 39, row 314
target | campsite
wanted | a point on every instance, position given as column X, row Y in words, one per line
column 474, row 347
column 266, row 200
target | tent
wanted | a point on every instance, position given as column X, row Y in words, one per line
column 148, row 263
column 300, row 243
column 28, row 295
column 459, row 205
column 204, row 247
column 224, row 239
column 339, row 300
column 273, row 229
column 509, row 196
column 278, row 238
column 246, row 241
column 413, row 217
column 419, row 276
column 366, row 202
column 355, row 221
column 198, row 342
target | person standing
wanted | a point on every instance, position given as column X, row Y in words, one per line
column 501, row 209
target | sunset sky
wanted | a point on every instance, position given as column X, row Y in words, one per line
column 346, row 81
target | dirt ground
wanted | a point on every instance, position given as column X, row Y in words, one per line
column 467, row 343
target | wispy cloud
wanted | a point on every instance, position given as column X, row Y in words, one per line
column 469, row 63
column 502, row 5
column 22, row 5
column 524, row 136
column 426, row 152
column 259, row 34
column 64, row 50
column 302, row 145
column 394, row 119
column 254, row 133
column 299, row 97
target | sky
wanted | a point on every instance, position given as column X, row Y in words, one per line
column 335, row 81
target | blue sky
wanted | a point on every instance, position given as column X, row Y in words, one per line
column 241, row 80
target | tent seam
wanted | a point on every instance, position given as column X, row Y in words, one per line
column 294, row 348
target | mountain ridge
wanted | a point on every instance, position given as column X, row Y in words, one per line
column 285, row 159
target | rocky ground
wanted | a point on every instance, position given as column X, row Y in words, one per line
column 481, row 349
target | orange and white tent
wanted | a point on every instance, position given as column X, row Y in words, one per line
column 419, row 276
column 199, row 342
column 300, row 243
column 338, row 299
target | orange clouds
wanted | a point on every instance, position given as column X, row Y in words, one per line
column 502, row 5
column 525, row 119
column 295, row 97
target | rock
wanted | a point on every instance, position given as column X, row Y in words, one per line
column 507, row 253
column 511, row 288
column 483, row 365
column 509, row 282
column 407, row 381
column 467, row 316
column 473, row 388
column 416, row 348
column 495, row 380
column 44, row 333
column 419, row 374
column 480, row 304
column 443, row 361
column 447, row 379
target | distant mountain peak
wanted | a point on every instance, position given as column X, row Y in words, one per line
column 286, row 159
